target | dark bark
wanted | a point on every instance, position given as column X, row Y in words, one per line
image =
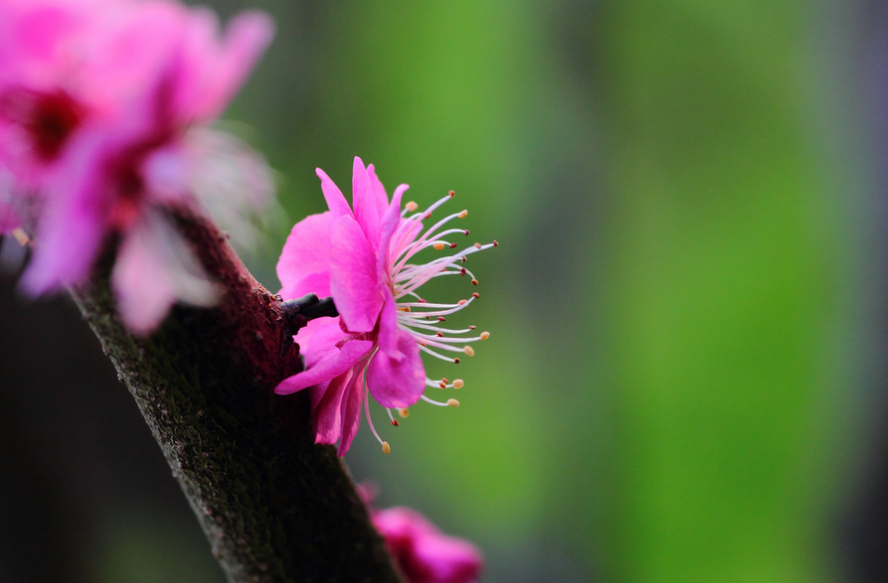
column 274, row 505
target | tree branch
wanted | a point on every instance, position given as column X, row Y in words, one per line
column 274, row 505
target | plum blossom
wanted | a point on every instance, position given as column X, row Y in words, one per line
column 423, row 553
column 104, row 106
column 364, row 258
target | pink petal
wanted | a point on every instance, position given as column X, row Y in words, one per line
column 306, row 252
column 364, row 202
column 390, row 221
column 326, row 412
column 335, row 201
column 378, row 190
column 328, row 368
column 351, row 410
column 353, row 276
column 388, row 327
column 155, row 267
column 318, row 339
column 396, row 383
column 247, row 36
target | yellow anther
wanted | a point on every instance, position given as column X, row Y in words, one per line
column 438, row 246
column 386, row 448
column 21, row 236
column 453, row 402
column 404, row 412
column 485, row 335
column 411, row 206
column 458, row 384
column 404, row 309
column 477, row 245
column 469, row 350
column 463, row 214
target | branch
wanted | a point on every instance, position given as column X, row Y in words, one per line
column 274, row 505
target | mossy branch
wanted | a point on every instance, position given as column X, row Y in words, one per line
column 274, row 505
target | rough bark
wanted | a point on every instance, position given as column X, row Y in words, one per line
column 274, row 505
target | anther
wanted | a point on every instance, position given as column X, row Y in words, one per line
column 495, row 244
column 386, row 448
column 439, row 334
column 472, row 327
column 467, row 232
column 450, row 402
column 452, row 194
column 476, row 295
column 19, row 234
column 455, row 361
column 462, row 302
column 395, row 423
column 458, row 384
column 477, row 245
column 463, row 214
column 453, row 245
column 404, row 412
column 485, row 335
column 442, row 319
column 438, row 246
column 404, row 308
column 442, row 385
column 411, row 206
column 462, row 271
column 469, row 350
column 474, row 282
column 421, row 301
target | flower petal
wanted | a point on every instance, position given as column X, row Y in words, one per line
column 351, row 410
column 155, row 268
column 333, row 365
column 326, row 408
column 306, row 252
column 335, row 201
column 354, row 284
column 388, row 327
column 390, row 221
column 363, row 200
column 397, row 382
column 379, row 195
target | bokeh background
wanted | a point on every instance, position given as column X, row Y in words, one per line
column 686, row 379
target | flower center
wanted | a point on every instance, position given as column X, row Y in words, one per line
column 48, row 118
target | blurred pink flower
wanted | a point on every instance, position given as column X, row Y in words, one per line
column 422, row 552
column 102, row 104
column 361, row 258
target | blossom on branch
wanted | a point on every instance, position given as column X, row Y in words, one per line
column 103, row 113
column 365, row 258
column 423, row 553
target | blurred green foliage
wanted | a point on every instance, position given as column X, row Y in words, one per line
column 662, row 396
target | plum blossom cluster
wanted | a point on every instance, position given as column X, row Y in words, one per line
column 104, row 113
column 423, row 553
column 365, row 258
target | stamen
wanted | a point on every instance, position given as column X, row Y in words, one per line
column 485, row 335
column 452, row 403
column 404, row 412
column 474, row 282
column 433, row 402
column 21, row 236
column 463, row 215
column 385, row 445
column 469, row 350
column 458, row 384
column 411, row 206
column 386, row 448
column 438, row 246
column 395, row 423
column 475, row 295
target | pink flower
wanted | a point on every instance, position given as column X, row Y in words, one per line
column 363, row 258
column 422, row 552
column 102, row 108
